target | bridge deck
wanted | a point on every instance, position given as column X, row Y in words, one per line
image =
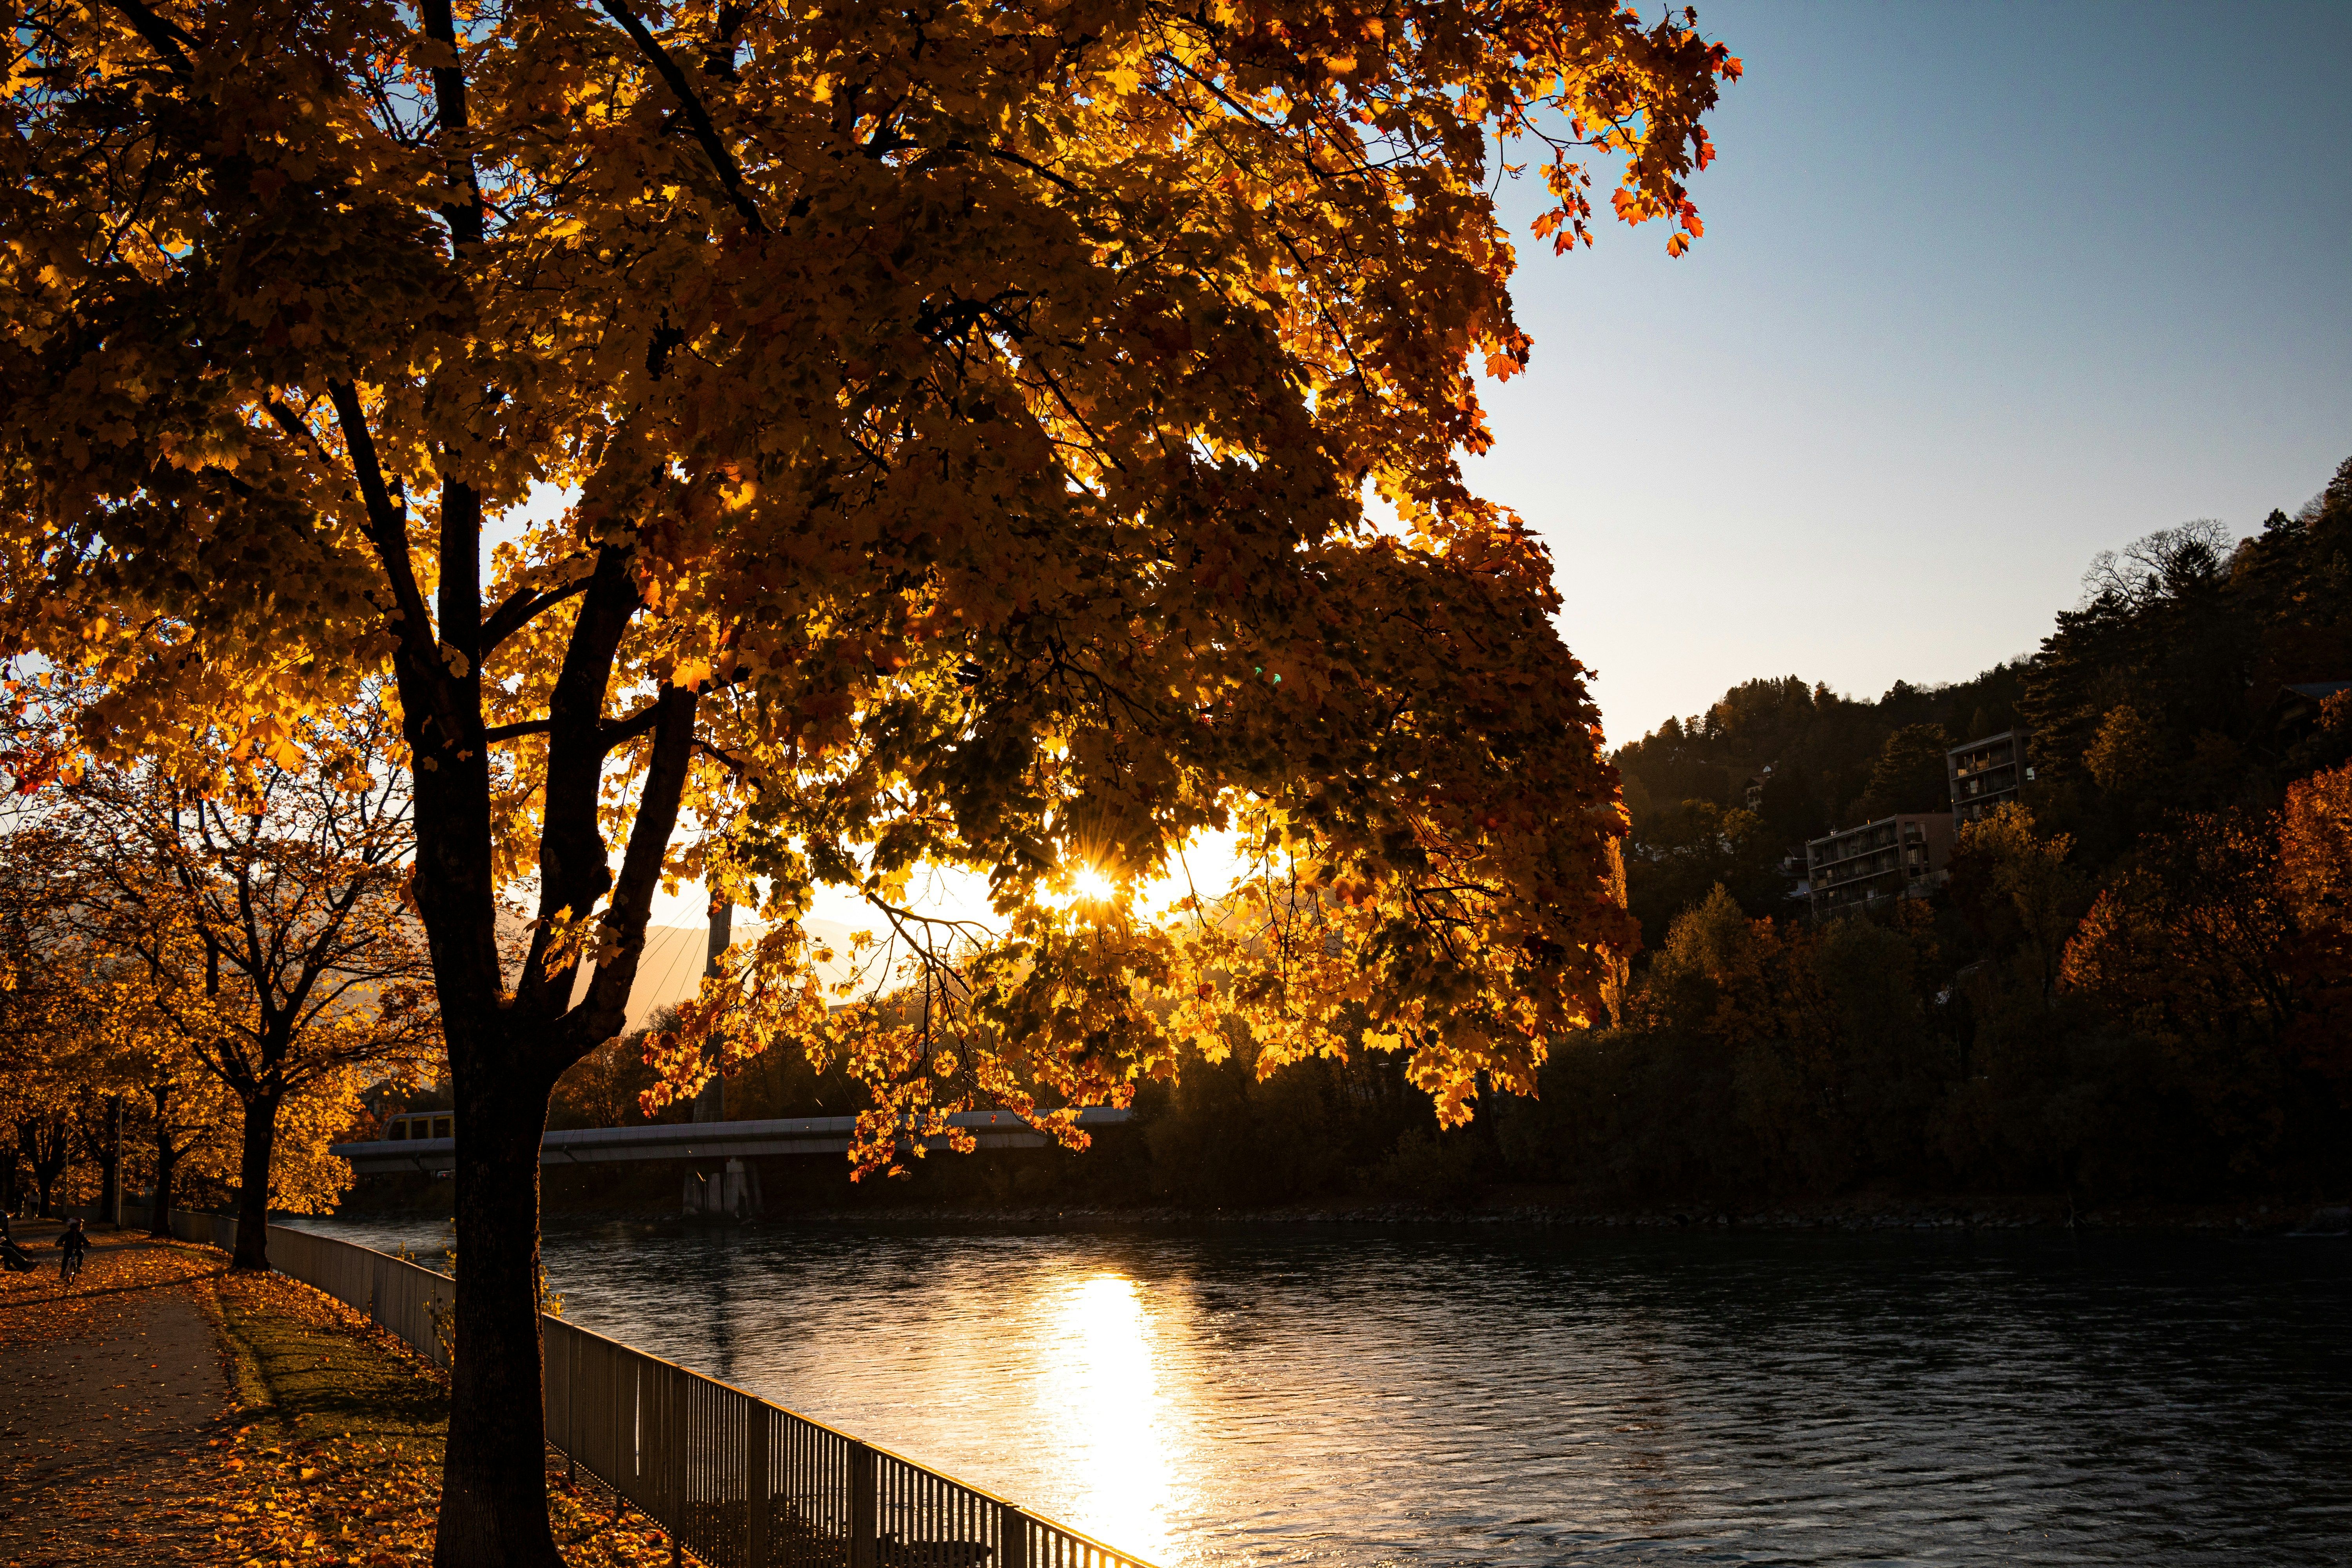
column 705, row 1141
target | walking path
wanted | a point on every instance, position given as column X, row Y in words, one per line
column 111, row 1405
column 164, row 1411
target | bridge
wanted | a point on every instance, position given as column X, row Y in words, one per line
column 713, row 1152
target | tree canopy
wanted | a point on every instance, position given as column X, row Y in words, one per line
column 971, row 413
column 972, row 410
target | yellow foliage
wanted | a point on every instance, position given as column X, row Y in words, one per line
column 200, row 956
column 2123, row 751
column 2029, row 872
column 969, row 429
column 963, row 423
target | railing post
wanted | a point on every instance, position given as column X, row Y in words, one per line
column 755, row 1488
column 572, row 1407
column 672, row 1384
column 865, row 1514
column 1011, row 1538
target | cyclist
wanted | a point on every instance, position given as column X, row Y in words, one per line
column 75, row 1244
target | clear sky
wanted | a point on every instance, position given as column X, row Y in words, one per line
column 1985, row 289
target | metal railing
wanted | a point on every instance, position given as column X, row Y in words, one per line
column 738, row 1481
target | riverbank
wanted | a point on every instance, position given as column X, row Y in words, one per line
column 651, row 1197
column 162, row 1410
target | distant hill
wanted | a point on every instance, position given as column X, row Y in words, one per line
column 671, row 969
column 2170, row 687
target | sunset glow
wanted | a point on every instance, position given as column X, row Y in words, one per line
column 1108, row 1398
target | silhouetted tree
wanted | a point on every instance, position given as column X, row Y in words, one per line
column 1909, row 774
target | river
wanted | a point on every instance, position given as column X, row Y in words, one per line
column 1370, row 1395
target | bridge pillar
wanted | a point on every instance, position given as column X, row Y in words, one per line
column 704, row 1191
column 728, row 1191
column 740, row 1191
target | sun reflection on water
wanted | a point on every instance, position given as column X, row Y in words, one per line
column 1107, row 1401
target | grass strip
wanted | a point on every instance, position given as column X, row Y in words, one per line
column 313, row 1368
column 339, row 1453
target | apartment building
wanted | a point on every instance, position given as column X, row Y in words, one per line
column 1896, row 857
column 1983, row 774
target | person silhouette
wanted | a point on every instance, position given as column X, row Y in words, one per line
column 74, row 1245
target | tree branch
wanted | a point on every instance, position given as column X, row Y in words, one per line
column 449, row 114
column 626, row 729
column 731, row 175
column 573, row 871
column 733, row 764
column 387, row 520
column 519, row 608
column 166, row 37
column 292, row 424
column 601, row 1015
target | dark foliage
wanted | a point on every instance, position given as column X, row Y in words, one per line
column 1816, row 761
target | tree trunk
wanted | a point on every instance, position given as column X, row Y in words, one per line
column 167, row 1158
column 110, row 1165
column 159, row 1211
column 50, row 1156
column 253, row 1183
column 493, row 1480
column 494, row 1475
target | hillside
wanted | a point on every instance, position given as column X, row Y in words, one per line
column 2159, row 691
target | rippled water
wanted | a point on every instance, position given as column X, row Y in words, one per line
column 1313, row 1394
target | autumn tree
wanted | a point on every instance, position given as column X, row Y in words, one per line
column 155, row 1003
column 37, row 1112
column 2223, row 944
column 2018, row 886
column 970, row 413
column 97, row 1127
column 261, row 934
column 43, row 1004
column 604, row 1086
column 42, row 1075
column 2316, row 870
column 2122, row 752
column 185, row 1117
column 80, row 1018
column 2227, row 922
column 1679, row 853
